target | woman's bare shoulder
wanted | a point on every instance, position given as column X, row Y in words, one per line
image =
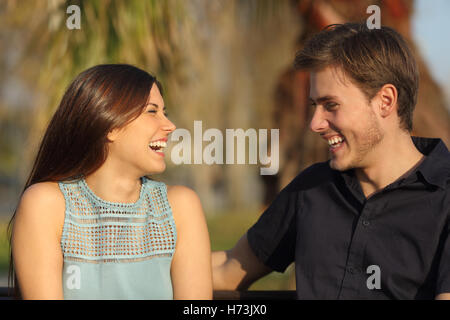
column 43, row 194
column 185, row 204
column 42, row 205
column 181, row 194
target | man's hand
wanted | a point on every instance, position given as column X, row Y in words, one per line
column 238, row 268
column 443, row 296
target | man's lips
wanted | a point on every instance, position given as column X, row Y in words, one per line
column 335, row 141
column 333, row 138
column 328, row 136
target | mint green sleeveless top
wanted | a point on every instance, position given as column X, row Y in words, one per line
column 117, row 250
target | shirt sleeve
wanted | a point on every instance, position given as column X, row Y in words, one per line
column 443, row 280
column 272, row 238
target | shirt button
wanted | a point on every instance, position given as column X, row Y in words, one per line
column 365, row 223
column 351, row 270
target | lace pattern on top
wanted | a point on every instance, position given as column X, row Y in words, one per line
column 98, row 231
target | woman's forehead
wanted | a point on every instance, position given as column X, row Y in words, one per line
column 155, row 96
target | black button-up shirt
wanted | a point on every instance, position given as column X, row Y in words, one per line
column 393, row 245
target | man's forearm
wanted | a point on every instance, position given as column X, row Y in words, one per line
column 238, row 268
column 219, row 259
column 443, row 296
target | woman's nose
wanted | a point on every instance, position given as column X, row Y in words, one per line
column 168, row 125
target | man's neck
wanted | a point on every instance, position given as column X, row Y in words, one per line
column 394, row 157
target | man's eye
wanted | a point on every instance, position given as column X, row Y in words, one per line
column 330, row 105
column 152, row 111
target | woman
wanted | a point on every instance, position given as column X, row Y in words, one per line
column 90, row 224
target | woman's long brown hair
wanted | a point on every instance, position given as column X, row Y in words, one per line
column 75, row 143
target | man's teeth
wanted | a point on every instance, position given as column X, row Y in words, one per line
column 158, row 144
column 335, row 140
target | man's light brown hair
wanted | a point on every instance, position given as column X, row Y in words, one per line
column 370, row 57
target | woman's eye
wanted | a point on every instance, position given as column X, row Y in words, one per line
column 156, row 111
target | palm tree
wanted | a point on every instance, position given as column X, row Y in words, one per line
column 138, row 32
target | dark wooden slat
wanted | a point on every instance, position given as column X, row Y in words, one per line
column 223, row 295
column 4, row 293
column 255, row 295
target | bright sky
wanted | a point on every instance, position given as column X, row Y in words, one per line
column 432, row 33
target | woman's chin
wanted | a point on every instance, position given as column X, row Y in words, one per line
column 156, row 169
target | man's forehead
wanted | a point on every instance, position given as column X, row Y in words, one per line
column 330, row 74
column 329, row 81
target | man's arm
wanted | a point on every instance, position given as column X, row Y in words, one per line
column 443, row 296
column 273, row 239
column 238, row 268
column 443, row 282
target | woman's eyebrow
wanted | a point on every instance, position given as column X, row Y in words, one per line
column 155, row 105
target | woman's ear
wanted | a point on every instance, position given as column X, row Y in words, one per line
column 112, row 135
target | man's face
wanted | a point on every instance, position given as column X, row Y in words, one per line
column 345, row 119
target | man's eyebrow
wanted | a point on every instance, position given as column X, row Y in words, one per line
column 323, row 99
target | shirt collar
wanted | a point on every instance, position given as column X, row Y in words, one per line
column 435, row 169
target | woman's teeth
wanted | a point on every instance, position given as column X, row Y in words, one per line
column 157, row 145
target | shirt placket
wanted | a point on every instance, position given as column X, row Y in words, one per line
column 354, row 274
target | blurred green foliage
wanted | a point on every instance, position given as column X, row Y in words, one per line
column 4, row 248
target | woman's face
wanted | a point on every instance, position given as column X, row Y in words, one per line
column 139, row 146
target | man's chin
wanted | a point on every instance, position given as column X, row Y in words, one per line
column 339, row 166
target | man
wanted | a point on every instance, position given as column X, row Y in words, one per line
column 373, row 222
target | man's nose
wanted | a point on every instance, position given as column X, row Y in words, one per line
column 318, row 122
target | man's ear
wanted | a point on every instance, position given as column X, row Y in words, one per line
column 388, row 99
